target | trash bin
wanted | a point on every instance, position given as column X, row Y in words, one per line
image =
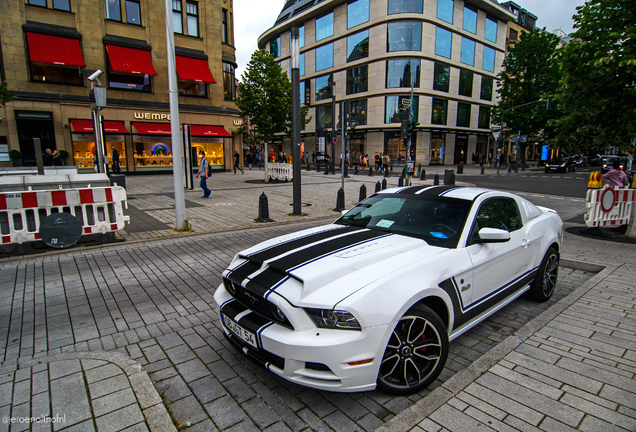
column 449, row 177
column 460, row 169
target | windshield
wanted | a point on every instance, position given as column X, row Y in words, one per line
column 439, row 221
column 558, row 160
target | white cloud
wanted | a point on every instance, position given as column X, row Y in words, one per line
column 552, row 14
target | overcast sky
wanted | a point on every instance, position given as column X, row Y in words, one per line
column 253, row 17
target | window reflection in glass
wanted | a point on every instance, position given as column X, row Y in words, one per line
column 358, row 46
column 394, row 111
column 301, row 61
column 484, row 118
column 305, row 92
column 358, row 111
column 491, row 29
column 400, row 72
column 357, row 79
column 192, row 11
column 61, row 5
column 465, row 83
column 324, row 87
column 113, row 10
column 440, row 111
column 177, row 20
column 357, row 13
column 229, row 82
column 56, row 74
column 443, row 42
column 489, row 59
column 301, row 38
column 324, row 57
column 324, row 27
column 463, row 114
column 486, row 88
column 324, row 117
column 190, row 88
column 468, row 51
column 405, row 6
column 133, row 16
column 224, row 25
column 124, row 81
column 404, row 36
column 445, row 10
column 43, row 3
column 470, row 19
column 274, row 47
column 441, row 77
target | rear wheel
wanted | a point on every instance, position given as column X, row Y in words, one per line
column 415, row 354
column 542, row 287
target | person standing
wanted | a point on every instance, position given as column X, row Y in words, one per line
column 327, row 163
column 56, row 159
column 47, row 159
column 237, row 160
column 399, row 159
column 616, row 177
column 248, row 159
column 115, row 157
column 203, row 172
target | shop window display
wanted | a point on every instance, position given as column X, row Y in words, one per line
column 84, row 145
column 214, row 153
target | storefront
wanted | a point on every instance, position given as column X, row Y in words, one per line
column 209, row 140
column 461, row 149
column 83, row 143
column 438, row 143
column 394, row 145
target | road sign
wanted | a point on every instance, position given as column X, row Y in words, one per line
column 406, row 103
column 495, row 127
column 496, row 134
column 334, row 140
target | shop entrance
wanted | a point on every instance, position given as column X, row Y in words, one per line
column 438, row 143
column 34, row 124
column 461, row 148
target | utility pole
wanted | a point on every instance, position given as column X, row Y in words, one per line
column 295, row 74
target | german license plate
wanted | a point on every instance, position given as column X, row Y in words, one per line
column 240, row 332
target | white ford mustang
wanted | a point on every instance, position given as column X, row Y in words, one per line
column 373, row 299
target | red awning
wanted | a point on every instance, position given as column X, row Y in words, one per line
column 130, row 60
column 192, row 69
column 109, row 126
column 209, row 131
column 153, row 128
column 54, row 50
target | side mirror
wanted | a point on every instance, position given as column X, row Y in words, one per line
column 492, row 235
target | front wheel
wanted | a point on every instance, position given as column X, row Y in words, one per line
column 415, row 354
column 542, row 287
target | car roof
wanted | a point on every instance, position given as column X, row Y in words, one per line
column 458, row 192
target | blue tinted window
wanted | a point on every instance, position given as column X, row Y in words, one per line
column 393, row 108
column 405, row 6
column 324, row 87
column 358, row 46
column 324, row 57
column 404, row 36
column 301, row 62
column 445, row 10
column 470, row 19
column 468, row 51
column 489, row 59
column 491, row 29
column 400, row 72
column 357, row 13
column 274, row 47
column 357, row 79
column 443, row 42
column 324, row 27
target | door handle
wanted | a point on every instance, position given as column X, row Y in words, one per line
column 526, row 243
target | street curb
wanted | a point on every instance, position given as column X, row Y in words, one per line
column 411, row 417
column 155, row 412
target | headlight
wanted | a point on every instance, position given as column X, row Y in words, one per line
column 562, row 165
column 278, row 313
column 333, row 319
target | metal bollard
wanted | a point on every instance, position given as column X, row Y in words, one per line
column 419, row 168
column 460, row 169
column 340, row 201
column 423, row 176
column 436, row 179
column 401, row 182
column 448, row 177
column 355, row 171
column 378, row 187
column 386, row 173
column 317, row 167
column 482, row 170
column 308, row 167
column 363, row 193
column 263, row 209
column 383, row 184
column 370, row 171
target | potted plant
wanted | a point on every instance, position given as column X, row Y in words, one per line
column 16, row 157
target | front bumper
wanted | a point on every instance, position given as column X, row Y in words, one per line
column 317, row 358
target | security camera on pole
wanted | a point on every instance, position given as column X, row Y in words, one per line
column 98, row 120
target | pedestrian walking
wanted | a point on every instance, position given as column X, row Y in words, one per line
column 248, row 159
column 203, row 173
column 237, row 160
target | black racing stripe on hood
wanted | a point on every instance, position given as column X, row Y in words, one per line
column 437, row 190
column 263, row 282
column 411, row 190
column 242, row 271
column 288, row 246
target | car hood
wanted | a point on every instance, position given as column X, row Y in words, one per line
column 319, row 267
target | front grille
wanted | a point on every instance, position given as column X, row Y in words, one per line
column 317, row 366
column 255, row 303
column 260, row 356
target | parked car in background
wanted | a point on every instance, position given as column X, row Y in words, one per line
column 594, row 160
column 580, row 161
column 561, row 164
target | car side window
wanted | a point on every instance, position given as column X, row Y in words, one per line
column 500, row 213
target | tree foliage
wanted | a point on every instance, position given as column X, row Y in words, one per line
column 264, row 97
column 531, row 73
column 597, row 96
column 5, row 96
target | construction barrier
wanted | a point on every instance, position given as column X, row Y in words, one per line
column 279, row 171
column 609, row 206
column 100, row 210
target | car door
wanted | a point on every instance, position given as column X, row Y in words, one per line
column 499, row 269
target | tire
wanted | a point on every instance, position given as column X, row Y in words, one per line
column 405, row 369
column 542, row 287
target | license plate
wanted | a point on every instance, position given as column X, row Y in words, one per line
column 240, row 332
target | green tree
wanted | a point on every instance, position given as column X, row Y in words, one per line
column 265, row 98
column 5, row 96
column 530, row 73
column 597, row 96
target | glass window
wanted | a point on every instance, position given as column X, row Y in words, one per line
column 126, row 81
column 443, row 42
column 440, row 111
column 43, row 3
column 404, row 36
column 324, row 27
column 489, row 59
column 470, row 19
column 191, row 88
column 357, row 13
column 500, row 213
column 400, row 72
column 463, row 114
column 358, row 46
column 324, row 57
column 405, row 6
column 465, row 83
column 62, row 5
column 324, row 117
column 305, row 92
column 441, row 77
column 113, row 10
column 358, row 111
column 357, row 79
column 484, row 118
column 301, row 61
column 229, row 82
column 274, row 47
column 468, row 51
column 192, row 12
column 324, row 87
column 224, row 25
column 486, row 88
column 133, row 15
column 491, row 29
column 445, row 10
column 177, row 20
column 394, row 110
column 513, row 34
column 56, row 74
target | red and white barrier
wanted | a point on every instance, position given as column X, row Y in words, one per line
column 100, row 210
column 609, row 206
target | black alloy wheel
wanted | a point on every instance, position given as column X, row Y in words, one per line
column 415, row 354
column 542, row 287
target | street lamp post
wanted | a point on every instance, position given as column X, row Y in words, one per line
column 295, row 81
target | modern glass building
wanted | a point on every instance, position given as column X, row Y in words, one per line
column 371, row 52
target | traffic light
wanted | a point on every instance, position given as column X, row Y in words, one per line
column 403, row 129
column 410, row 128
